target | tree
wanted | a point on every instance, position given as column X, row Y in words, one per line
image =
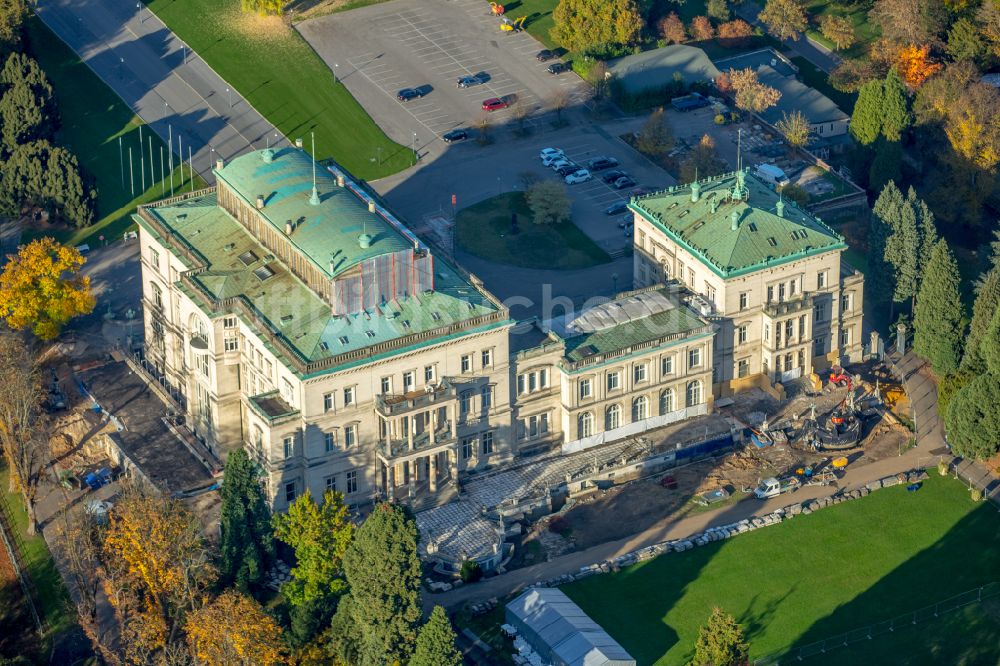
column 559, row 100
column 22, row 435
column 600, row 78
column 590, row 26
column 436, row 642
column 784, row 19
column 886, row 165
column 973, row 419
column 247, row 541
column 12, row 13
column 701, row 29
column 989, row 347
column 41, row 289
column 718, row 9
column 519, row 113
column 935, row 100
column 655, row 137
column 838, row 29
column 721, row 642
column 383, row 571
column 264, row 7
column 735, row 33
column 937, row 317
column 895, row 111
column 40, row 174
column 549, row 202
column 866, row 121
column 926, row 228
column 852, row 73
column 750, row 93
column 915, row 66
column 988, row 19
column 234, row 629
column 879, row 283
column 795, row 128
column 986, row 304
column 702, row 161
column 27, row 108
column 320, row 535
column 965, row 42
column 671, row 28
column 909, row 21
column 973, row 127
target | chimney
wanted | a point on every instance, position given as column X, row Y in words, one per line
column 267, row 155
column 219, row 163
column 371, row 206
column 340, row 180
column 734, row 220
column 331, row 267
column 695, row 191
column 289, row 228
column 260, row 201
column 364, row 241
column 298, row 142
column 780, row 208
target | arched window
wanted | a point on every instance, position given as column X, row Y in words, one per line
column 640, row 409
column 667, row 401
column 694, row 393
column 585, row 424
column 613, row 417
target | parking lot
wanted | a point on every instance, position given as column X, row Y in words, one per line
column 378, row 50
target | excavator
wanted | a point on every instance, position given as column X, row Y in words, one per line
column 506, row 25
column 496, row 9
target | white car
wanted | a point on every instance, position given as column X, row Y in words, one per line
column 581, row 176
column 549, row 160
column 549, row 153
column 558, row 163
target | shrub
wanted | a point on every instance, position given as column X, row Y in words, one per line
column 976, row 495
column 943, row 467
column 471, row 571
column 559, row 525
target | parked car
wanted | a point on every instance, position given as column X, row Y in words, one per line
column 406, row 94
column 567, row 170
column 578, row 176
column 544, row 55
column 474, row 80
column 624, row 182
column 549, row 153
column 626, row 222
column 494, row 104
column 455, row 135
column 560, row 162
column 557, row 68
column 612, row 176
column 617, row 207
column 639, row 191
column 602, row 163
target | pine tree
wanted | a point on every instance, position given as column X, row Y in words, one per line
column 902, row 251
column 987, row 303
column 973, row 419
column 879, row 282
column 937, row 318
column 886, row 165
column 721, row 642
column 40, row 174
column 247, row 543
column 436, row 642
column 866, row 121
column 895, row 109
column 383, row 571
column 27, row 107
column 926, row 228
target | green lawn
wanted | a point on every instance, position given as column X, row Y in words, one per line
column 484, row 231
column 814, row 577
column 864, row 32
column 270, row 65
column 539, row 21
column 93, row 119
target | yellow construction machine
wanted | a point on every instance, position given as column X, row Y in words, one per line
column 506, row 25
column 496, row 9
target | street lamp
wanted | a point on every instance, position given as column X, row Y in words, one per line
column 614, row 280
column 414, row 147
column 230, row 94
column 335, row 66
column 138, row 10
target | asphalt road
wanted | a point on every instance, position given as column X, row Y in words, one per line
column 160, row 78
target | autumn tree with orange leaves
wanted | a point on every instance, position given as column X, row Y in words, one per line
column 41, row 288
column 750, row 93
column 915, row 65
column 234, row 630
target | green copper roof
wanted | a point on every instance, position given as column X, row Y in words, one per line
column 327, row 232
column 301, row 317
column 761, row 238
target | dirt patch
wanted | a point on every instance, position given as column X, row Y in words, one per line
column 271, row 30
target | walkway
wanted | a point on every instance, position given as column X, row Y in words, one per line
column 168, row 85
column 811, row 50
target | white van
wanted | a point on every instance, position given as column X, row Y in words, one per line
column 772, row 174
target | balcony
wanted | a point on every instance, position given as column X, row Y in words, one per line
column 801, row 303
column 395, row 405
column 396, row 447
column 271, row 407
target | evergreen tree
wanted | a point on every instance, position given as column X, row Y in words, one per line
column 989, row 348
column 40, row 174
column 436, row 642
column 987, row 303
column 886, row 165
column 12, row 13
column 383, row 571
column 895, row 108
column 973, row 420
column 27, row 108
column 866, row 121
column 879, row 283
column 937, row 318
column 721, row 642
column 926, row 228
column 247, row 544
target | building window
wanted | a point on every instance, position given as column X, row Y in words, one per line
column 777, row 334
column 612, row 417
column 327, row 402
column 819, row 346
column 543, row 378
column 744, row 300
column 802, row 360
column 691, row 277
column 229, row 322
column 350, row 436
column 290, row 492
column 789, row 330
column 487, row 396
column 802, row 327
column 640, row 409
column 710, row 292
column 287, row 447
column 203, row 364
column 586, row 388
column 694, row 393
column 352, row 482
column 845, row 303
column 466, row 363
column 487, row 358
column 781, row 292
column 329, row 443
column 639, row 373
column 231, row 344
column 157, row 296
column 770, row 294
column 543, row 423
column 267, row 368
column 741, row 334
column 743, row 368
column 522, row 386
column 465, row 403
column 532, row 382
column 487, row 443
column 331, row 483
column 585, row 424
column 409, row 381
column 667, row 403
column 385, row 385
column 821, row 280
column 819, row 313
column 767, row 332
column 429, row 374
column 467, row 445
column 349, row 396
column 154, row 259
column 667, row 365
column 614, row 381
column 845, row 337
column 694, row 357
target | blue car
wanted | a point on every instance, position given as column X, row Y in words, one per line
column 616, row 208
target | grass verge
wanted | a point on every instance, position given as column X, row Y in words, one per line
column 810, row 578
column 864, row 32
column 273, row 68
column 94, row 118
column 483, row 230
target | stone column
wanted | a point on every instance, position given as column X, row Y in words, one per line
column 391, row 490
column 432, row 473
column 451, row 420
column 412, row 467
column 453, row 465
column 411, row 426
column 432, row 424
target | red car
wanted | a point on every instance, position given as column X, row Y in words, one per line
column 494, row 104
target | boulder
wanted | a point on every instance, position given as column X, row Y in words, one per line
column 874, row 485
column 889, row 481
